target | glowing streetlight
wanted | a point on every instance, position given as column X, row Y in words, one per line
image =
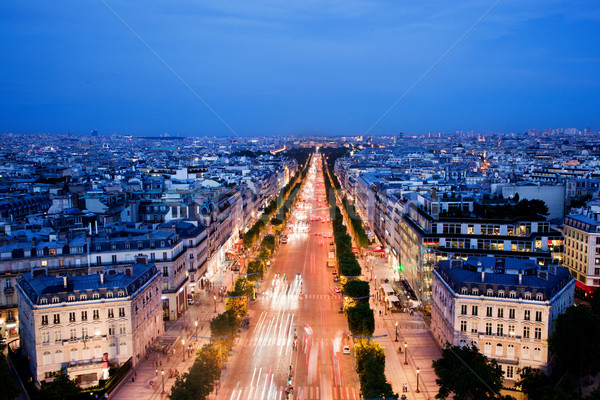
column 162, row 373
column 405, row 351
column 396, row 331
column 196, row 323
column 418, row 391
column 215, row 299
column 183, row 348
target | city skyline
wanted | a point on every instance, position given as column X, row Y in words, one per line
column 295, row 69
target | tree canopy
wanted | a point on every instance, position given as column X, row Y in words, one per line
column 468, row 374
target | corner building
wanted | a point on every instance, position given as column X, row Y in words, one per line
column 70, row 322
column 506, row 307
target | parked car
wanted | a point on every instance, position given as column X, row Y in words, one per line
column 346, row 350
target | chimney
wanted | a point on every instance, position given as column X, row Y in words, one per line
column 520, row 277
column 102, row 278
column 65, row 281
column 482, row 276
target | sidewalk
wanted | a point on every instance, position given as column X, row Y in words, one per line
column 150, row 369
column 422, row 349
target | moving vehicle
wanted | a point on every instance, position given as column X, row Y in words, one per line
column 346, row 350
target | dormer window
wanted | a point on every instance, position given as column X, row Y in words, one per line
column 152, row 245
column 127, row 246
column 95, row 296
column 55, row 300
column 539, row 297
column 140, row 245
column 162, row 244
column 489, row 293
column 500, row 293
column 475, row 291
column 464, row 291
column 43, row 300
column 83, row 297
column 527, row 296
column 109, row 294
column 512, row 294
column 71, row 297
column 121, row 293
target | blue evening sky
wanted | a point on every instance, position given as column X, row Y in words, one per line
column 284, row 67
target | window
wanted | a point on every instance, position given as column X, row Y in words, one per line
column 500, row 330
column 72, row 316
column 475, row 291
column 165, row 271
column 111, row 330
column 538, row 316
column 121, row 311
column 526, row 332
column 525, row 353
column 95, row 296
column 463, row 309
column 510, row 351
column 464, row 291
column 121, row 293
column 73, row 333
column 96, row 314
column 45, row 337
column 44, row 320
column 500, row 293
column 539, row 297
column 55, row 300
column 71, row 297
column 512, row 294
column 121, row 329
column 43, row 300
column 164, row 256
column 488, row 328
column 84, row 333
column 511, row 313
column 489, row 293
column 114, row 259
column 527, row 315
column 488, row 311
column 537, row 354
column 57, row 336
column 501, row 313
column 84, row 315
column 463, row 326
column 111, row 313
column 527, row 296
column 538, row 333
column 510, row 371
column 57, row 318
column 99, row 260
column 487, row 349
column 499, row 350
column 109, row 295
column 511, row 330
column 44, row 263
column 474, row 310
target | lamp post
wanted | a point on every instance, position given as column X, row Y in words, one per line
column 215, row 299
column 196, row 324
column 405, row 351
column 162, row 374
column 183, row 348
column 418, row 391
column 396, row 331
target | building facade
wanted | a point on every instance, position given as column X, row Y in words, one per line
column 70, row 322
column 505, row 307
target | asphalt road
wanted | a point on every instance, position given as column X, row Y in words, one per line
column 296, row 329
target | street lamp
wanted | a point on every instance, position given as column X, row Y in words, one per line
column 215, row 299
column 418, row 391
column 405, row 351
column 162, row 374
column 196, row 323
column 396, row 331
column 183, row 348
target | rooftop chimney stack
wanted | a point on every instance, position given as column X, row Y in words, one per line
column 102, row 278
column 520, row 277
column 482, row 276
column 65, row 281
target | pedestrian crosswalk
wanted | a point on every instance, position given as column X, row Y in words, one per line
column 311, row 392
column 320, row 297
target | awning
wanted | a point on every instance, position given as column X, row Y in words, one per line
column 378, row 250
column 239, row 242
column 230, row 251
column 582, row 286
column 392, row 298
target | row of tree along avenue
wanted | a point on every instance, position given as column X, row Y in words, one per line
column 369, row 356
column 573, row 372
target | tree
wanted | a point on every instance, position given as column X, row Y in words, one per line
column 361, row 321
column 7, row 383
column 62, row 387
column 574, row 342
column 356, row 288
column 467, row 373
column 537, row 386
